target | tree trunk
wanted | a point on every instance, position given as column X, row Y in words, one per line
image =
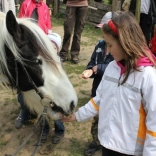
column 55, row 7
column 116, row 5
column 137, row 12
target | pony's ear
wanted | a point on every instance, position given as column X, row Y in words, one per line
column 11, row 24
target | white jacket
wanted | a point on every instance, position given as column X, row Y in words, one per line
column 126, row 124
column 8, row 5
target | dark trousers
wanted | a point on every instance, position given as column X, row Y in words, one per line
column 75, row 19
column 94, row 130
column 107, row 152
column 146, row 26
column 25, row 114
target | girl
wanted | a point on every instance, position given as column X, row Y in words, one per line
column 126, row 96
column 38, row 10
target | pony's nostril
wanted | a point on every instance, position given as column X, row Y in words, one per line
column 72, row 106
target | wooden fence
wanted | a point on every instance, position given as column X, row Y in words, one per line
column 95, row 12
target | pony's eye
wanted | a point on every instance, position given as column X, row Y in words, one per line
column 38, row 61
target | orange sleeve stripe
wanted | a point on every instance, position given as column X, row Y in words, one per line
column 94, row 105
column 151, row 133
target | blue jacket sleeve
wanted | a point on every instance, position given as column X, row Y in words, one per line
column 92, row 61
column 101, row 68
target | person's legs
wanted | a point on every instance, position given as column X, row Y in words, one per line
column 146, row 26
column 79, row 25
column 68, row 28
column 24, row 114
column 45, row 132
column 94, row 130
column 59, row 131
column 108, row 152
column 95, row 144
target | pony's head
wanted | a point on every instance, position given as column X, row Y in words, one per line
column 29, row 62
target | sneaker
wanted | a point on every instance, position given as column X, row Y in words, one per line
column 57, row 138
column 18, row 122
column 44, row 137
column 75, row 60
column 91, row 149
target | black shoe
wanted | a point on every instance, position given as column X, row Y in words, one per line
column 19, row 123
column 91, row 149
column 57, row 138
column 44, row 137
column 75, row 60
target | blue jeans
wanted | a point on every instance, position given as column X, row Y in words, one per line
column 26, row 115
column 59, row 127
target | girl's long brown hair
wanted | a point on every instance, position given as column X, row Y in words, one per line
column 131, row 39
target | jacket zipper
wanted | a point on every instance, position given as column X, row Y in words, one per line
column 119, row 81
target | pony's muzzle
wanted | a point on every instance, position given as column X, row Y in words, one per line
column 72, row 107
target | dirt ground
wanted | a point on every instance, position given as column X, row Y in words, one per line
column 77, row 135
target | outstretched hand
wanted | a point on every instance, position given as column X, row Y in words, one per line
column 87, row 73
column 69, row 119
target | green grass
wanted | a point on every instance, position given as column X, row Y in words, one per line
column 57, row 20
column 74, row 68
column 8, row 130
column 108, row 2
column 83, row 101
column 3, row 143
column 91, row 32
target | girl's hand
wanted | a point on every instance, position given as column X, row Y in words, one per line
column 87, row 73
column 69, row 119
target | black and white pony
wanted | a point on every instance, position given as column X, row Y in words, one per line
column 28, row 60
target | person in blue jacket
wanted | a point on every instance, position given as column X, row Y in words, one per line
column 95, row 69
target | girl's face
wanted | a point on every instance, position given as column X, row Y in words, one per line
column 114, row 47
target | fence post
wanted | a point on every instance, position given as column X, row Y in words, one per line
column 116, row 5
column 137, row 12
column 55, row 7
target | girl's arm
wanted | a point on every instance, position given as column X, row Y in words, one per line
column 89, row 110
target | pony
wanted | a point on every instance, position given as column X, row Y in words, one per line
column 29, row 63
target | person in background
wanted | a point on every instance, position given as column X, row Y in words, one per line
column 147, row 17
column 6, row 5
column 39, row 11
column 56, row 41
column 75, row 19
column 95, row 69
column 125, row 99
column 59, row 126
column 25, row 115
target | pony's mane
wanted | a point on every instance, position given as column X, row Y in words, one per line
column 46, row 47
